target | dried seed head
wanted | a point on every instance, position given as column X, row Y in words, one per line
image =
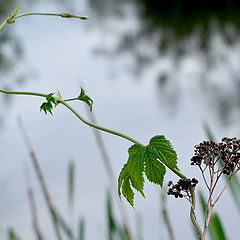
column 182, row 188
column 209, row 153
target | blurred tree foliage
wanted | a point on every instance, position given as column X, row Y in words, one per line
column 10, row 49
column 177, row 21
column 206, row 32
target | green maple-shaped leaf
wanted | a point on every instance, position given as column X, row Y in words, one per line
column 85, row 98
column 151, row 160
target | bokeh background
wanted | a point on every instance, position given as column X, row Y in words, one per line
column 151, row 67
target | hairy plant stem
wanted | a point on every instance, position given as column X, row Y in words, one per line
column 63, row 102
column 64, row 15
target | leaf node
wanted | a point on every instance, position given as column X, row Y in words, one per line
column 12, row 16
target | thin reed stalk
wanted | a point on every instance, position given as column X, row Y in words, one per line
column 33, row 208
column 41, row 180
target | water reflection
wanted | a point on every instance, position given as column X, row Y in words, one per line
column 207, row 33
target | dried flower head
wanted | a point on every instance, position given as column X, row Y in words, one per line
column 208, row 153
column 182, row 188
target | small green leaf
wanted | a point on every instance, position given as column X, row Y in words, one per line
column 48, row 106
column 83, row 97
column 50, row 98
column 43, row 108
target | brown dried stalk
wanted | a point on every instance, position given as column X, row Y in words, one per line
column 41, row 180
column 33, row 207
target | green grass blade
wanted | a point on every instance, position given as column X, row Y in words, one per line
column 64, row 226
column 81, row 229
column 234, row 186
column 115, row 230
column 71, row 177
column 12, row 234
column 218, row 227
column 202, row 201
column 110, row 218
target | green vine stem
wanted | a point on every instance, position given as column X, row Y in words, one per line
column 12, row 17
column 2, row 24
column 75, row 113
column 24, row 93
column 64, row 15
column 63, row 102
column 97, row 126
column 70, row 99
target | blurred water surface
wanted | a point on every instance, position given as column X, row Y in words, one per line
column 138, row 88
